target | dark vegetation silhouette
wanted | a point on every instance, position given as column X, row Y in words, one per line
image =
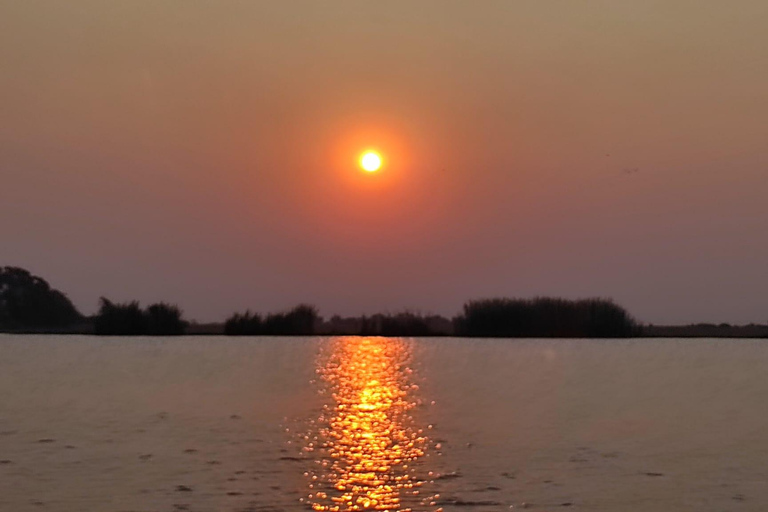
column 164, row 320
column 304, row 320
column 403, row 324
column 706, row 330
column 27, row 302
column 545, row 318
column 299, row 321
column 129, row 319
column 243, row 324
column 407, row 323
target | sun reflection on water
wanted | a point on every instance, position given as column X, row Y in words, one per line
column 367, row 450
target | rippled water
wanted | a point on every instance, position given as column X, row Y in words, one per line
column 267, row 424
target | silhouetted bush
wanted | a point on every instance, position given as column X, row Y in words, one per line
column 301, row 320
column 404, row 324
column 28, row 302
column 119, row 319
column 164, row 320
column 246, row 324
column 545, row 318
column 129, row 320
column 399, row 324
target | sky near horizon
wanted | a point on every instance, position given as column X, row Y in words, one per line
column 205, row 153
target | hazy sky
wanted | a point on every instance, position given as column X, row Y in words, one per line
column 205, row 153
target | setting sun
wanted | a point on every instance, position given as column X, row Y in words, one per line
column 370, row 161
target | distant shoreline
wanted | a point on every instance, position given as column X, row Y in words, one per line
column 29, row 305
column 754, row 331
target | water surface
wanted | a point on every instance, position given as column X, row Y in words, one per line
column 267, row 424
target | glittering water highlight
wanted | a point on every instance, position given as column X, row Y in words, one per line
column 367, row 449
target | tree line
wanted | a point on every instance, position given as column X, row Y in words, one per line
column 28, row 303
column 545, row 318
column 301, row 320
column 129, row 319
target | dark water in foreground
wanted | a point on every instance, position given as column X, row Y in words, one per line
column 267, row 424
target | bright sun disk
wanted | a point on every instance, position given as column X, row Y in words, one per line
column 370, row 161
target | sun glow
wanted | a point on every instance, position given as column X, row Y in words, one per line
column 370, row 161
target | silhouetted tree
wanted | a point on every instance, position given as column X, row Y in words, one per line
column 245, row 324
column 404, row 324
column 399, row 324
column 301, row 320
column 369, row 326
column 120, row 319
column 164, row 320
column 129, row 319
column 28, row 301
column 545, row 318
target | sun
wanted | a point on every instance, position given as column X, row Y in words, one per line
column 370, row 161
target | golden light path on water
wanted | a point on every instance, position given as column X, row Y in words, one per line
column 368, row 453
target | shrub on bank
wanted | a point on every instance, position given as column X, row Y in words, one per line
column 545, row 318
column 129, row 319
column 299, row 321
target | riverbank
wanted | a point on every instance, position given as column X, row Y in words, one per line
column 703, row 330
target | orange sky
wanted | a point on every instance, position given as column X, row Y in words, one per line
column 206, row 153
